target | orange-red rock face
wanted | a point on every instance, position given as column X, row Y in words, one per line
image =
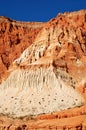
column 15, row 37
column 64, row 41
column 65, row 48
column 71, row 35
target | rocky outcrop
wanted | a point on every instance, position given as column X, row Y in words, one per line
column 44, row 88
column 63, row 40
column 15, row 37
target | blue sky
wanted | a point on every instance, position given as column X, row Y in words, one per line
column 38, row 10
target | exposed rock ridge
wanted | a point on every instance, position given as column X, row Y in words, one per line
column 15, row 37
column 23, row 24
column 63, row 40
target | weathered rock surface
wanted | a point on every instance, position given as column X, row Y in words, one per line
column 15, row 37
column 63, row 40
column 46, row 85
column 33, row 92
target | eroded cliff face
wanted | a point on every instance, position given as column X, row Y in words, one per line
column 63, row 41
column 47, row 82
column 15, row 37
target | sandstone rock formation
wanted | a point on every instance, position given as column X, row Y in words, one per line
column 15, row 37
column 43, row 84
